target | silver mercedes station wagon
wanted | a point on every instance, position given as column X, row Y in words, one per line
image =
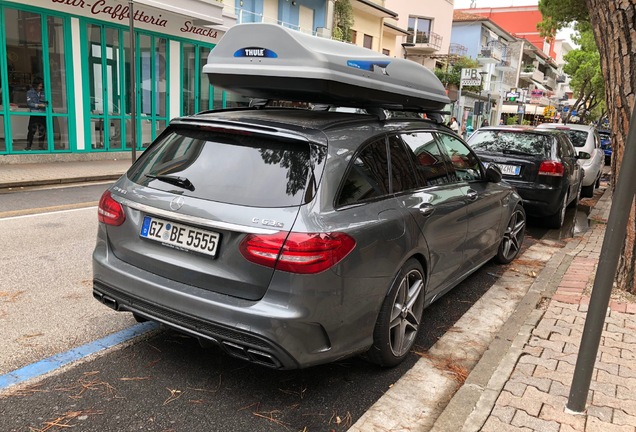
column 295, row 237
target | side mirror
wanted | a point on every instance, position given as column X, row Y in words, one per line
column 493, row 173
column 584, row 155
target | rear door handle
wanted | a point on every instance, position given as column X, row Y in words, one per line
column 472, row 195
column 426, row 210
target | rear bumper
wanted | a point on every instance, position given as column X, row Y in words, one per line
column 286, row 329
column 592, row 171
column 539, row 201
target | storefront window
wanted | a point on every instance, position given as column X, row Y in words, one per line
column 204, row 83
column 153, row 86
column 3, row 136
column 106, row 87
column 57, row 65
column 198, row 95
column 35, row 92
column 189, row 62
column 60, row 133
column 25, row 68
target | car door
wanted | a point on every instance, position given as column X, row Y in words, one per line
column 437, row 206
column 368, row 212
column 484, row 200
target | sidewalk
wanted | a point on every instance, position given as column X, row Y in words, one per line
column 528, row 387
column 37, row 174
column 517, row 378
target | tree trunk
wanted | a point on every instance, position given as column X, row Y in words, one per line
column 615, row 33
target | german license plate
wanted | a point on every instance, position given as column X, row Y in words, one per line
column 180, row 236
column 509, row 169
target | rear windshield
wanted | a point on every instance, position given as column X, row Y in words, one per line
column 248, row 169
column 577, row 137
column 501, row 141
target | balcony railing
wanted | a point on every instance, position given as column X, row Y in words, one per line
column 504, row 65
column 457, row 49
column 426, row 40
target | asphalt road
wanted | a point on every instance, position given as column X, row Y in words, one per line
column 166, row 381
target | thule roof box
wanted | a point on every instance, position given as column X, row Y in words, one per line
column 268, row 61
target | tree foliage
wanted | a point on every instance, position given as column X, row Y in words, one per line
column 583, row 65
column 342, row 20
column 450, row 74
column 559, row 14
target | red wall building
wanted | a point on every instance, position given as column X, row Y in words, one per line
column 519, row 21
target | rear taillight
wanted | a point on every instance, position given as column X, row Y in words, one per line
column 304, row 253
column 110, row 211
column 551, row 168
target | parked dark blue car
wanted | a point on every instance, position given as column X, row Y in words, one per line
column 606, row 145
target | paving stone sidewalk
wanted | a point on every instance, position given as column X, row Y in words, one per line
column 536, row 393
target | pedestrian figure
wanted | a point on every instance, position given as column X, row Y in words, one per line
column 454, row 125
column 37, row 123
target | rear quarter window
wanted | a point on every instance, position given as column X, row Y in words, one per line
column 578, row 138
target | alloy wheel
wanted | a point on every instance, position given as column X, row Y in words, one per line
column 406, row 312
column 513, row 236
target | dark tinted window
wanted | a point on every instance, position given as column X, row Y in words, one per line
column 497, row 141
column 368, row 175
column 402, row 172
column 466, row 165
column 239, row 169
column 431, row 167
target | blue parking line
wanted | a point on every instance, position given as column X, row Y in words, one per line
column 58, row 360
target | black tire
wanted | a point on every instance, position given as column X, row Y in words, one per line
column 400, row 316
column 513, row 237
column 598, row 182
column 575, row 202
column 587, row 191
column 556, row 220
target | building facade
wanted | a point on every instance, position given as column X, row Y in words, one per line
column 491, row 46
column 80, row 52
column 429, row 29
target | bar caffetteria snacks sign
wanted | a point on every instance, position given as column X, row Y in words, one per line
column 151, row 19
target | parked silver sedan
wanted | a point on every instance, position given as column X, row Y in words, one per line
column 293, row 237
column 591, row 157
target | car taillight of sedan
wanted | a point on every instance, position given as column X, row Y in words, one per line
column 304, row 253
column 551, row 168
column 110, row 211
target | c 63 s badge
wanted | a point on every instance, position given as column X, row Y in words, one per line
column 268, row 222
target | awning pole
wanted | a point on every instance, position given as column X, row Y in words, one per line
column 133, row 80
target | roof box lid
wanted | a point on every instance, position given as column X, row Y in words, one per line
column 268, row 61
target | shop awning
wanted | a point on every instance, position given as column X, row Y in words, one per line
column 199, row 11
column 531, row 109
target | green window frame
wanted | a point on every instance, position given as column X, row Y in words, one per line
column 55, row 116
column 152, row 78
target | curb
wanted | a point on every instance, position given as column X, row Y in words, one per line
column 57, row 181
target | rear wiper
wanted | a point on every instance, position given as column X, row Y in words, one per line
column 517, row 152
column 173, row 180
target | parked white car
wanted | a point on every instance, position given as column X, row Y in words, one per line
column 587, row 144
